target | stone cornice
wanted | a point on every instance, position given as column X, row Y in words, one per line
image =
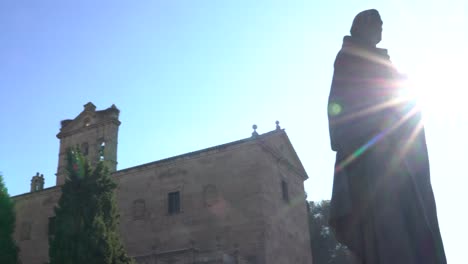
column 196, row 154
column 61, row 135
column 28, row 195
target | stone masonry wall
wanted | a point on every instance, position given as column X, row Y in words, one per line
column 231, row 205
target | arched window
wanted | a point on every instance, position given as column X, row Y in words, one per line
column 102, row 148
column 86, row 122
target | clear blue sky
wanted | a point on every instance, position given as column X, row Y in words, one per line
column 193, row 74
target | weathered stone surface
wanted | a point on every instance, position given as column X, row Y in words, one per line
column 231, row 203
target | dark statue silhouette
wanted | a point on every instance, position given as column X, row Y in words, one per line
column 382, row 205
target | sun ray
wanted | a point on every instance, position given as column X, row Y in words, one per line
column 376, row 138
column 368, row 110
column 417, row 129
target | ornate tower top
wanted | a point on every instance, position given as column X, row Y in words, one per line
column 94, row 132
column 90, row 107
column 37, row 182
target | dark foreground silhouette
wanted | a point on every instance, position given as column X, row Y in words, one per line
column 382, row 206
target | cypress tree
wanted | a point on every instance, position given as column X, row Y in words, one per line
column 8, row 248
column 85, row 229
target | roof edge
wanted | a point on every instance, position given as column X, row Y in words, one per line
column 197, row 152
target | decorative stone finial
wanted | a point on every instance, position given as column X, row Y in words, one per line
column 113, row 111
column 254, row 133
column 277, row 125
column 90, row 107
column 114, row 108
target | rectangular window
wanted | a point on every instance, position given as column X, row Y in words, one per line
column 85, row 149
column 284, row 190
column 51, row 226
column 173, row 199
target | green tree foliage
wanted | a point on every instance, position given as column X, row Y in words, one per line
column 325, row 248
column 85, row 229
column 8, row 248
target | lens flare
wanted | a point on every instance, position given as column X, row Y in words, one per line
column 411, row 110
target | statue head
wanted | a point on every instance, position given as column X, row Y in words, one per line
column 367, row 26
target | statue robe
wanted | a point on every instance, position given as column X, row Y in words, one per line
column 382, row 207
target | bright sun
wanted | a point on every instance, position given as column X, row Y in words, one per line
column 439, row 87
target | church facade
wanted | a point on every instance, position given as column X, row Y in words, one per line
column 240, row 202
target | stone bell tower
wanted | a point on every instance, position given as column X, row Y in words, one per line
column 95, row 133
column 37, row 183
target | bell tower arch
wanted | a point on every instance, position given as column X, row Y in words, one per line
column 95, row 133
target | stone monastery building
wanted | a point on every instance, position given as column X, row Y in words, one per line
column 240, row 202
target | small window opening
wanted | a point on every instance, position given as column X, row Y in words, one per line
column 284, row 190
column 85, row 149
column 173, row 203
column 52, row 226
column 86, row 122
column 101, row 150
